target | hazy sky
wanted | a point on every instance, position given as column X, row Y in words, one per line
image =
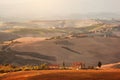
column 48, row 8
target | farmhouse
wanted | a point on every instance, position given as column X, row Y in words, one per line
column 78, row 65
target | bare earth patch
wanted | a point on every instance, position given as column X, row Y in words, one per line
column 63, row 75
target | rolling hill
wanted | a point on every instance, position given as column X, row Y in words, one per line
column 87, row 41
column 55, row 51
column 52, row 28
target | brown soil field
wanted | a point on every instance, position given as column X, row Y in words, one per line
column 63, row 75
column 88, row 50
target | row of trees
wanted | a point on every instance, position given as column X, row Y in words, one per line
column 82, row 65
column 12, row 68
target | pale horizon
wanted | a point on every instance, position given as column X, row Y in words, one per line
column 56, row 9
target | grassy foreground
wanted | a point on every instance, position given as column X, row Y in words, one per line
column 63, row 75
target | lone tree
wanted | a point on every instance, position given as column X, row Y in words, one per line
column 99, row 64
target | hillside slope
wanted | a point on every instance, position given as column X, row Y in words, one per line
column 7, row 36
column 112, row 66
column 88, row 50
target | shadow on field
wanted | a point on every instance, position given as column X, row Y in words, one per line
column 23, row 58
